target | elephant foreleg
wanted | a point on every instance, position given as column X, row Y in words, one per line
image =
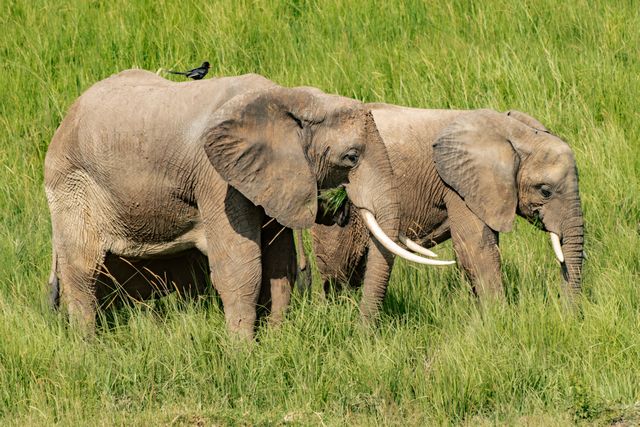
column 233, row 250
column 476, row 247
column 236, row 275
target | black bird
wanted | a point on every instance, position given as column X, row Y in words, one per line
column 196, row 73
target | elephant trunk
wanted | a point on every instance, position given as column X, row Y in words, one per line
column 372, row 187
column 372, row 190
column 379, row 264
column 572, row 248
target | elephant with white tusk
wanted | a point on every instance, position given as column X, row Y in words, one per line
column 146, row 179
column 464, row 175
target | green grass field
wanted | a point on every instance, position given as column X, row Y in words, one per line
column 433, row 359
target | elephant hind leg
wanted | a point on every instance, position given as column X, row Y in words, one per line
column 79, row 259
column 54, row 283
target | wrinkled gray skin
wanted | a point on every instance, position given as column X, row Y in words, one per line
column 464, row 175
column 149, row 180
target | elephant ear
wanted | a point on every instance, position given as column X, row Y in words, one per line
column 257, row 143
column 527, row 120
column 474, row 156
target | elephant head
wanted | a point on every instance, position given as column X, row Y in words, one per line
column 503, row 164
column 280, row 146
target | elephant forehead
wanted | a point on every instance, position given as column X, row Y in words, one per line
column 335, row 141
column 337, row 102
column 554, row 168
column 341, row 134
column 555, row 153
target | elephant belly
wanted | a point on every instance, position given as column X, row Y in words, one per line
column 429, row 234
column 193, row 237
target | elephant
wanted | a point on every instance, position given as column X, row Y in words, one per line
column 147, row 180
column 463, row 175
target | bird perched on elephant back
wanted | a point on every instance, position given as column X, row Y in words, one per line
column 464, row 175
column 146, row 178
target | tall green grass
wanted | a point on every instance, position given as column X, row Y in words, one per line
column 434, row 358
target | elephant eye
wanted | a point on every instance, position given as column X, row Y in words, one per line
column 351, row 157
column 545, row 190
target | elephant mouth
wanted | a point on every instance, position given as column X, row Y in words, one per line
column 556, row 243
column 343, row 214
column 333, row 207
column 534, row 219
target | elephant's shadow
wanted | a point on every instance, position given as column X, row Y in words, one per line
column 161, row 286
column 160, row 308
column 512, row 279
column 516, row 286
column 420, row 296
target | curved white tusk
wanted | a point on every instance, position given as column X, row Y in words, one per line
column 415, row 247
column 557, row 247
column 392, row 246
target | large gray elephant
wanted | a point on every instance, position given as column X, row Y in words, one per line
column 464, row 175
column 146, row 177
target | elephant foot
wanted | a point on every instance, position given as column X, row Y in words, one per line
column 241, row 327
column 82, row 316
column 489, row 293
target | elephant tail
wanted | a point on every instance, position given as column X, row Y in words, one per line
column 54, row 283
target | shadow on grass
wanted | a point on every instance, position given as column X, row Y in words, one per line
column 162, row 308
